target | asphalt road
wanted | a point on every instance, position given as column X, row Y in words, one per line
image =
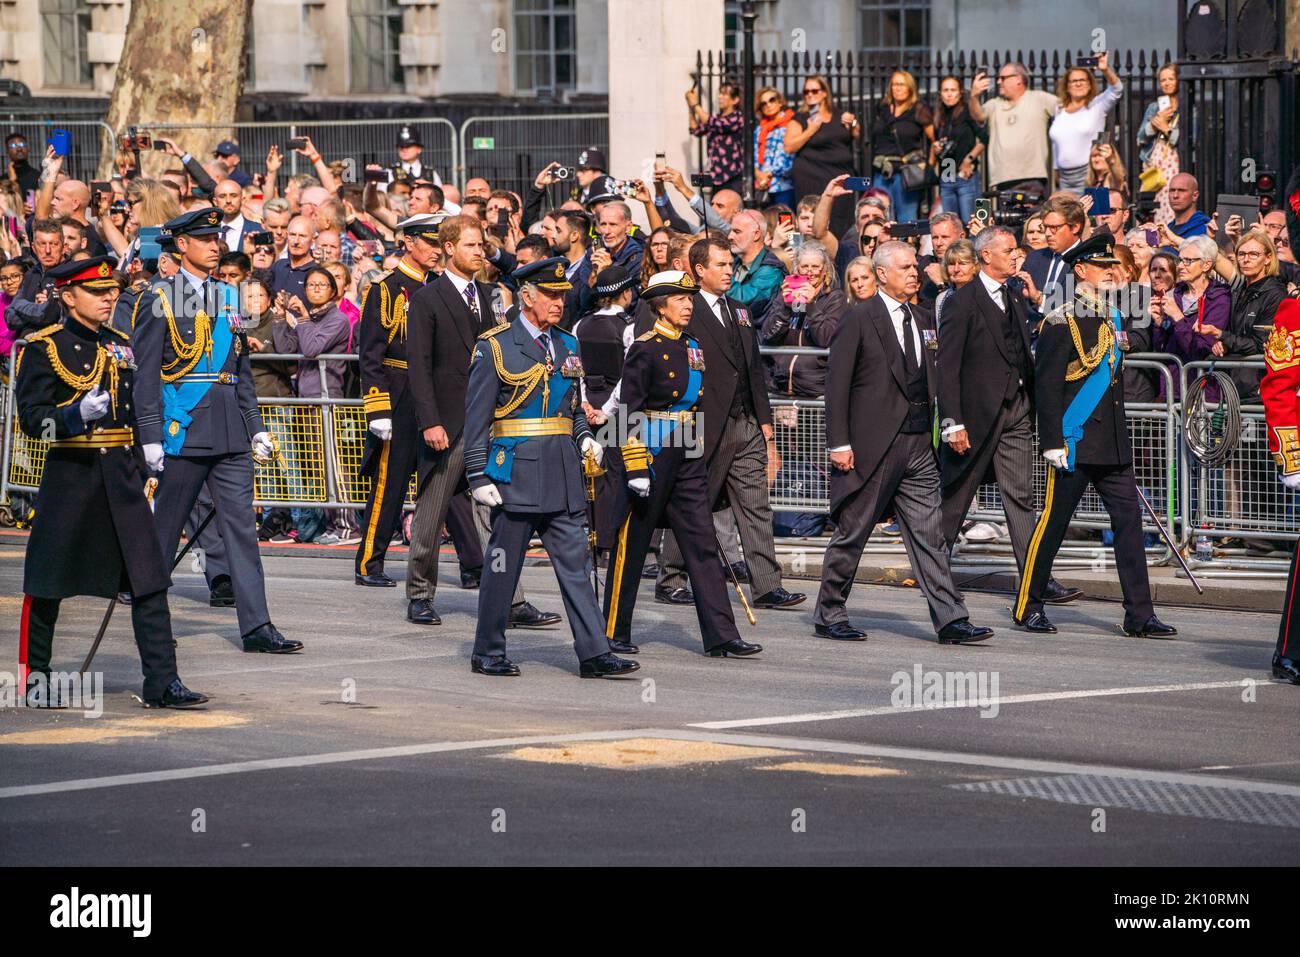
column 378, row 746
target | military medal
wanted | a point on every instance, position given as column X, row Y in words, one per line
column 742, row 318
column 501, row 456
column 695, row 358
column 931, row 338
column 572, row 367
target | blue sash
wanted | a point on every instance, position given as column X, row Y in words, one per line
column 658, row 431
column 501, row 454
column 180, row 397
column 1090, row 393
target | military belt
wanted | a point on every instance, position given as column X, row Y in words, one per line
column 225, row 378
column 518, row 428
column 686, row 415
column 100, row 439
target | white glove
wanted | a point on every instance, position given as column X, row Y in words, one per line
column 641, row 486
column 1291, row 481
column 1057, row 457
column 383, row 429
column 595, row 448
column 487, row 495
column 262, row 446
column 153, row 456
column 94, row 404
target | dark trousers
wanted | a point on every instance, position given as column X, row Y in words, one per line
column 564, row 535
column 1009, row 449
column 679, row 495
column 906, row 483
column 229, row 479
column 1288, row 632
column 464, row 534
column 388, row 486
column 1118, row 490
column 214, row 561
column 150, row 618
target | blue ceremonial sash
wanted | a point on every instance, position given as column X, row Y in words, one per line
column 658, row 431
column 501, row 454
column 180, row 397
column 1090, row 393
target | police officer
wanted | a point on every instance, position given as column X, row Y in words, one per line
column 198, row 414
column 1083, row 432
column 667, row 476
column 94, row 533
column 524, row 427
column 393, row 443
column 604, row 337
column 410, row 167
column 1279, row 391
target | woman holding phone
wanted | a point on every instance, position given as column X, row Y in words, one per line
column 1081, row 117
column 823, row 142
column 1157, row 141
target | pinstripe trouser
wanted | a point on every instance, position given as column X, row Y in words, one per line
column 1009, row 448
column 431, row 506
column 742, row 456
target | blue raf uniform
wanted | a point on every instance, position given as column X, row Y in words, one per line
column 195, row 398
column 524, row 425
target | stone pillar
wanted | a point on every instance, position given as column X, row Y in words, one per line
column 278, row 47
column 104, row 41
column 652, row 54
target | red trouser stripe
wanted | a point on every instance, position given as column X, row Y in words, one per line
column 23, row 625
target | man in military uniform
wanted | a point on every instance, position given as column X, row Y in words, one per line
column 1279, row 391
column 1083, row 433
column 75, row 390
column 198, row 414
column 524, row 427
column 393, row 443
column 667, row 474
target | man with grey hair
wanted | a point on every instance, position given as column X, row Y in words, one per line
column 758, row 271
column 1017, row 118
column 986, row 389
column 616, row 247
column 880, row 389
column 945, row 229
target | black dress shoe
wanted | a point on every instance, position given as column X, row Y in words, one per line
column 1288, row 669
column 41, row 692
column 377, row 580
column 498, row 666
column 840, row 631
column 470, row 578
column 737, row 647
column 962, row 632
column 674, row 596
column 606, row 666
column 1058, row 594
column 222, row 594
column 650, row 571
column 268, row 639
column 779, row 598
column 621, row 647
column 1153, row 627
column 524, row 615
column 741, row 570
column 1038, row 622
column 176, row 695
column 420, row 611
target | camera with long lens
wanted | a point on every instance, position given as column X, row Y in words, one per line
column 1144, row 207
column 1011, row 207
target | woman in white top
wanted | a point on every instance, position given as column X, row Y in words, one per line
column 1081, row 117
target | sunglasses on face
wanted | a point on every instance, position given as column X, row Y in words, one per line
column 813, row 91
column 768, row 101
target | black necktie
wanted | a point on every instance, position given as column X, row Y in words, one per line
column 1006, row 302
column 1053, row 271
column 910, row 364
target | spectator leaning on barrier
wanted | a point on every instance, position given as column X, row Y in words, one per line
column 35, row 306
column 1080, row 118
column 804, row 312
column 1017, row 119
column 1199, row 308
column 1257, row 290
column 725, row 132
column 758, row 272
column 772, row 162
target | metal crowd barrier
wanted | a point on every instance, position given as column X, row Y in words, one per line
column 509, row 151
column 323, row 440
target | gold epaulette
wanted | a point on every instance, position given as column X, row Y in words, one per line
column 494, row 331
column 646, row 336
column 1280, row 352
column 140, row 285
column 44, row 333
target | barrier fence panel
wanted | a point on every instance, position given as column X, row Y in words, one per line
column 88, row 139
column 509, row 151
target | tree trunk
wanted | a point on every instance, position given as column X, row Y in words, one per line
column 182, row 62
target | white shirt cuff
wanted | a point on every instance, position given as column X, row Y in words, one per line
column 841, row 448
column 951, row 429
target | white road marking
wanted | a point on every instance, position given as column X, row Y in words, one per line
column 753, row 740
column 1008, row 699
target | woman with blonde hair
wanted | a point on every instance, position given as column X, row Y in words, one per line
column 1081, row 117
column 1105, row 168
column 151, row 203
column 900, row 146
column 859, row 279
column 959, row 266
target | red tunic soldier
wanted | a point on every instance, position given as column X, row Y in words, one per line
column 1282, row 413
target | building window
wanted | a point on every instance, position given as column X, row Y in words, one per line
column 546, row 46
column 374, row 37
column 64, row 26
column 894, row 26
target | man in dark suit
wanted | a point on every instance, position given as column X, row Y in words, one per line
column 1083, row 432
column 447, row 315
column 737, row 423
column 235, row 227
column 986, row 387
column 1065, row 221
column 880, row 389
column 524, row 433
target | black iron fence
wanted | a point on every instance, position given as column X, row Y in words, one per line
column 859, row 82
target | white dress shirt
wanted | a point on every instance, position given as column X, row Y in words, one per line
column 231, row 231
column 461, row 284
column 994, row 289
column 715, row 304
